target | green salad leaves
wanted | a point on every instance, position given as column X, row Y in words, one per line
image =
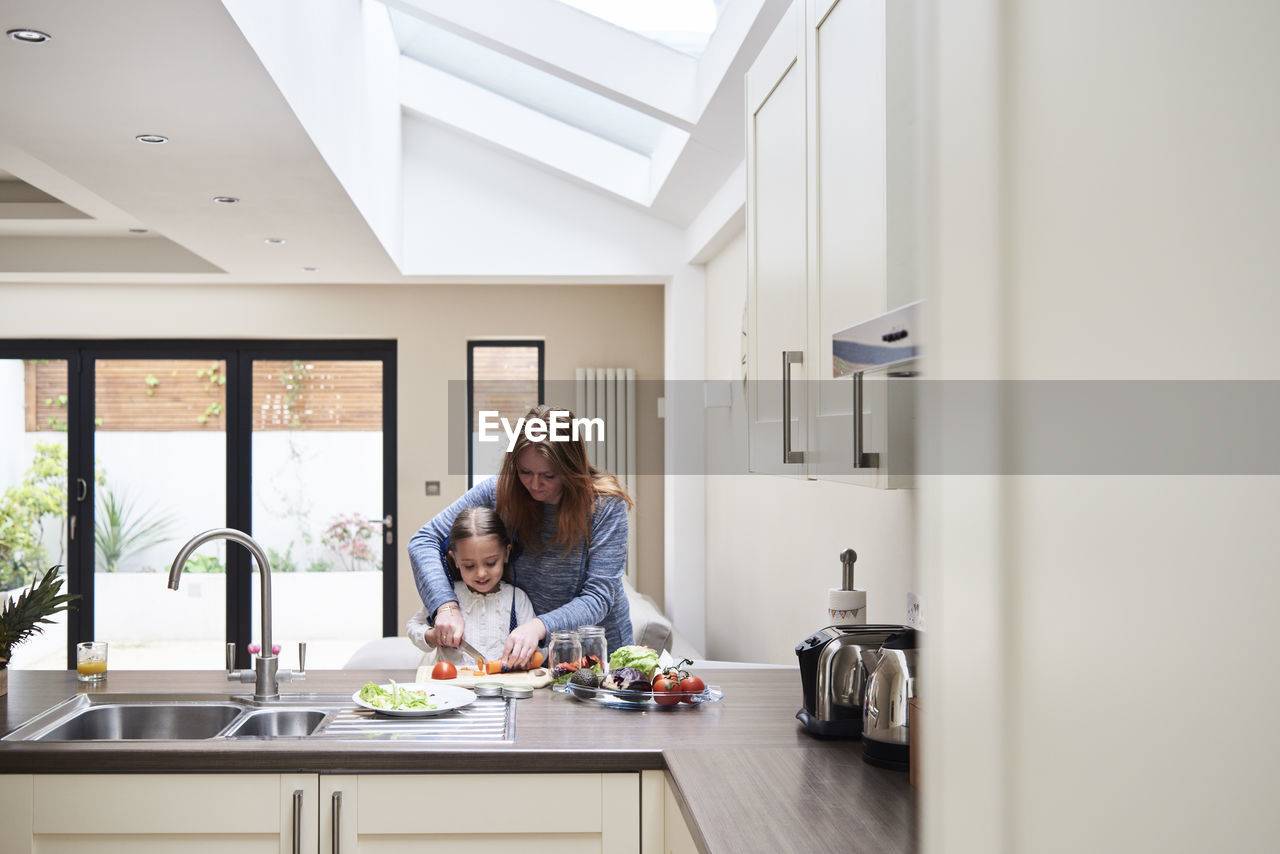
column 640, row 657
column 398, row 699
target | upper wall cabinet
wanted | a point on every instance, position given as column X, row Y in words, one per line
column 831, row 163
column 778, row 320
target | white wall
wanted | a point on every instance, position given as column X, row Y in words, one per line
column 1100, row 676
column 471, row 210
column 773, row 543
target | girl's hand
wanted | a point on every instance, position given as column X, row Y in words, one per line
column 449, row 626
column 523, row 642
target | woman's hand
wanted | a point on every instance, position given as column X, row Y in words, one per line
column 523, row 642
column 449, row 625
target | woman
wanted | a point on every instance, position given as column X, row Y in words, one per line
column 569, row 522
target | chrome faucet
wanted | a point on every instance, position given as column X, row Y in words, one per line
column 265, row 674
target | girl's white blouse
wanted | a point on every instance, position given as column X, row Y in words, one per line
column 487, row 617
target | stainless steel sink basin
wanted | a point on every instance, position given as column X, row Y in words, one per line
column 134, row 717
column 277, row 723
column 238, row 718
column 144, row 721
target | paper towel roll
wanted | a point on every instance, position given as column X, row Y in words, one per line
column 847, row 607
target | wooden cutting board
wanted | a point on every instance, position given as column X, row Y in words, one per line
column 537, row 678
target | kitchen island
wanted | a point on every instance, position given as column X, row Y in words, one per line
column 741, row 772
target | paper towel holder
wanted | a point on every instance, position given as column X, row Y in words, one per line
column 847, row 559
column 846, row 605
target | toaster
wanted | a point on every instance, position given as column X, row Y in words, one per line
column 833, row 677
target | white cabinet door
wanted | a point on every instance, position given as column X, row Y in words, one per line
column 662, row 823
column 845, row 58
column 471, row 813
column 863, row 158
column 162, row 813
column 776, row 248
column 832, row 161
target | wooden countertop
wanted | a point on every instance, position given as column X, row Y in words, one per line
column 747, row 776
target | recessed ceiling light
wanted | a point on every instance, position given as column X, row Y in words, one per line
column 151, row 138
column 274, row 241
column 22, row 34
column 309, row 269
column 137, row 231
column 225, row 200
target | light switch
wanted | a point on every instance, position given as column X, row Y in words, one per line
column 433, row 487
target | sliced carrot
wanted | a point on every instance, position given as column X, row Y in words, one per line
column 536, row 661
column 493, row 667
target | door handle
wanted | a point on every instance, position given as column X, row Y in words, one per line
column 385, row 522
column 297, row 821
column 82, row 489
column 337, row 823
column 860, row 460
column 789, row 358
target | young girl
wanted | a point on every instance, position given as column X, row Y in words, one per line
column 477, row 553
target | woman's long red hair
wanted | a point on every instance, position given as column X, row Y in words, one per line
column 581, row 484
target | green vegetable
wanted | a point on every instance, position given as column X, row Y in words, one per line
column 563, row 678
column 398, row 699
column 585, row 678
column 640, row 657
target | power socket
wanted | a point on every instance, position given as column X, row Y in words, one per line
column 914, row 617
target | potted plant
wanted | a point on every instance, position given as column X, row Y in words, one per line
column 23, row 617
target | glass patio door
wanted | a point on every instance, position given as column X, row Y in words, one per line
column 115, row 453
column 318, row 503
column 160, row 463
column 33, row 492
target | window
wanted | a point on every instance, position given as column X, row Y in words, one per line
column 505, row 377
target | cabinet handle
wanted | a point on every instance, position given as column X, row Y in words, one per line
column 297, row 821
column 789, row 358
column 337, row 822
column 860, row 460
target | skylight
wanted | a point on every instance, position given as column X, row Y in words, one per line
column 683, row 25
column 526, row 85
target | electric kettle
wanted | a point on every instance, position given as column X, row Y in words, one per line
column 885, row 718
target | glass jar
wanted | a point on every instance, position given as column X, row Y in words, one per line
column 594, row 645
column 564, row 649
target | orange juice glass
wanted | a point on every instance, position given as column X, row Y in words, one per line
column 91, row 661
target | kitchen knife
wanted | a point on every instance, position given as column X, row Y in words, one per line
column 473, row 652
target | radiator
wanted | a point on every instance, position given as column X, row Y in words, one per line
column 610, row 394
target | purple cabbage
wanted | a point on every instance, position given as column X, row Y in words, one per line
column 627, row 679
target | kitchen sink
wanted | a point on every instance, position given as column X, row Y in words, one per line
column 144, row 721
column 277, row 723
column 203, row 717
column 151, row 717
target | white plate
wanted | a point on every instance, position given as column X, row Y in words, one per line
column 445, row 697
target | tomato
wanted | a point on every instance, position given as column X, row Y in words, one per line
column 691, row 685
column 444, row 670
column 666, row 691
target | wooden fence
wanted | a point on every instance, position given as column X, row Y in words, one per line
column 189, row 395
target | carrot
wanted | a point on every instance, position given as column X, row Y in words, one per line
column 502, row 667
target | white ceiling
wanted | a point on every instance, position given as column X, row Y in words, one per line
column 82, row 200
